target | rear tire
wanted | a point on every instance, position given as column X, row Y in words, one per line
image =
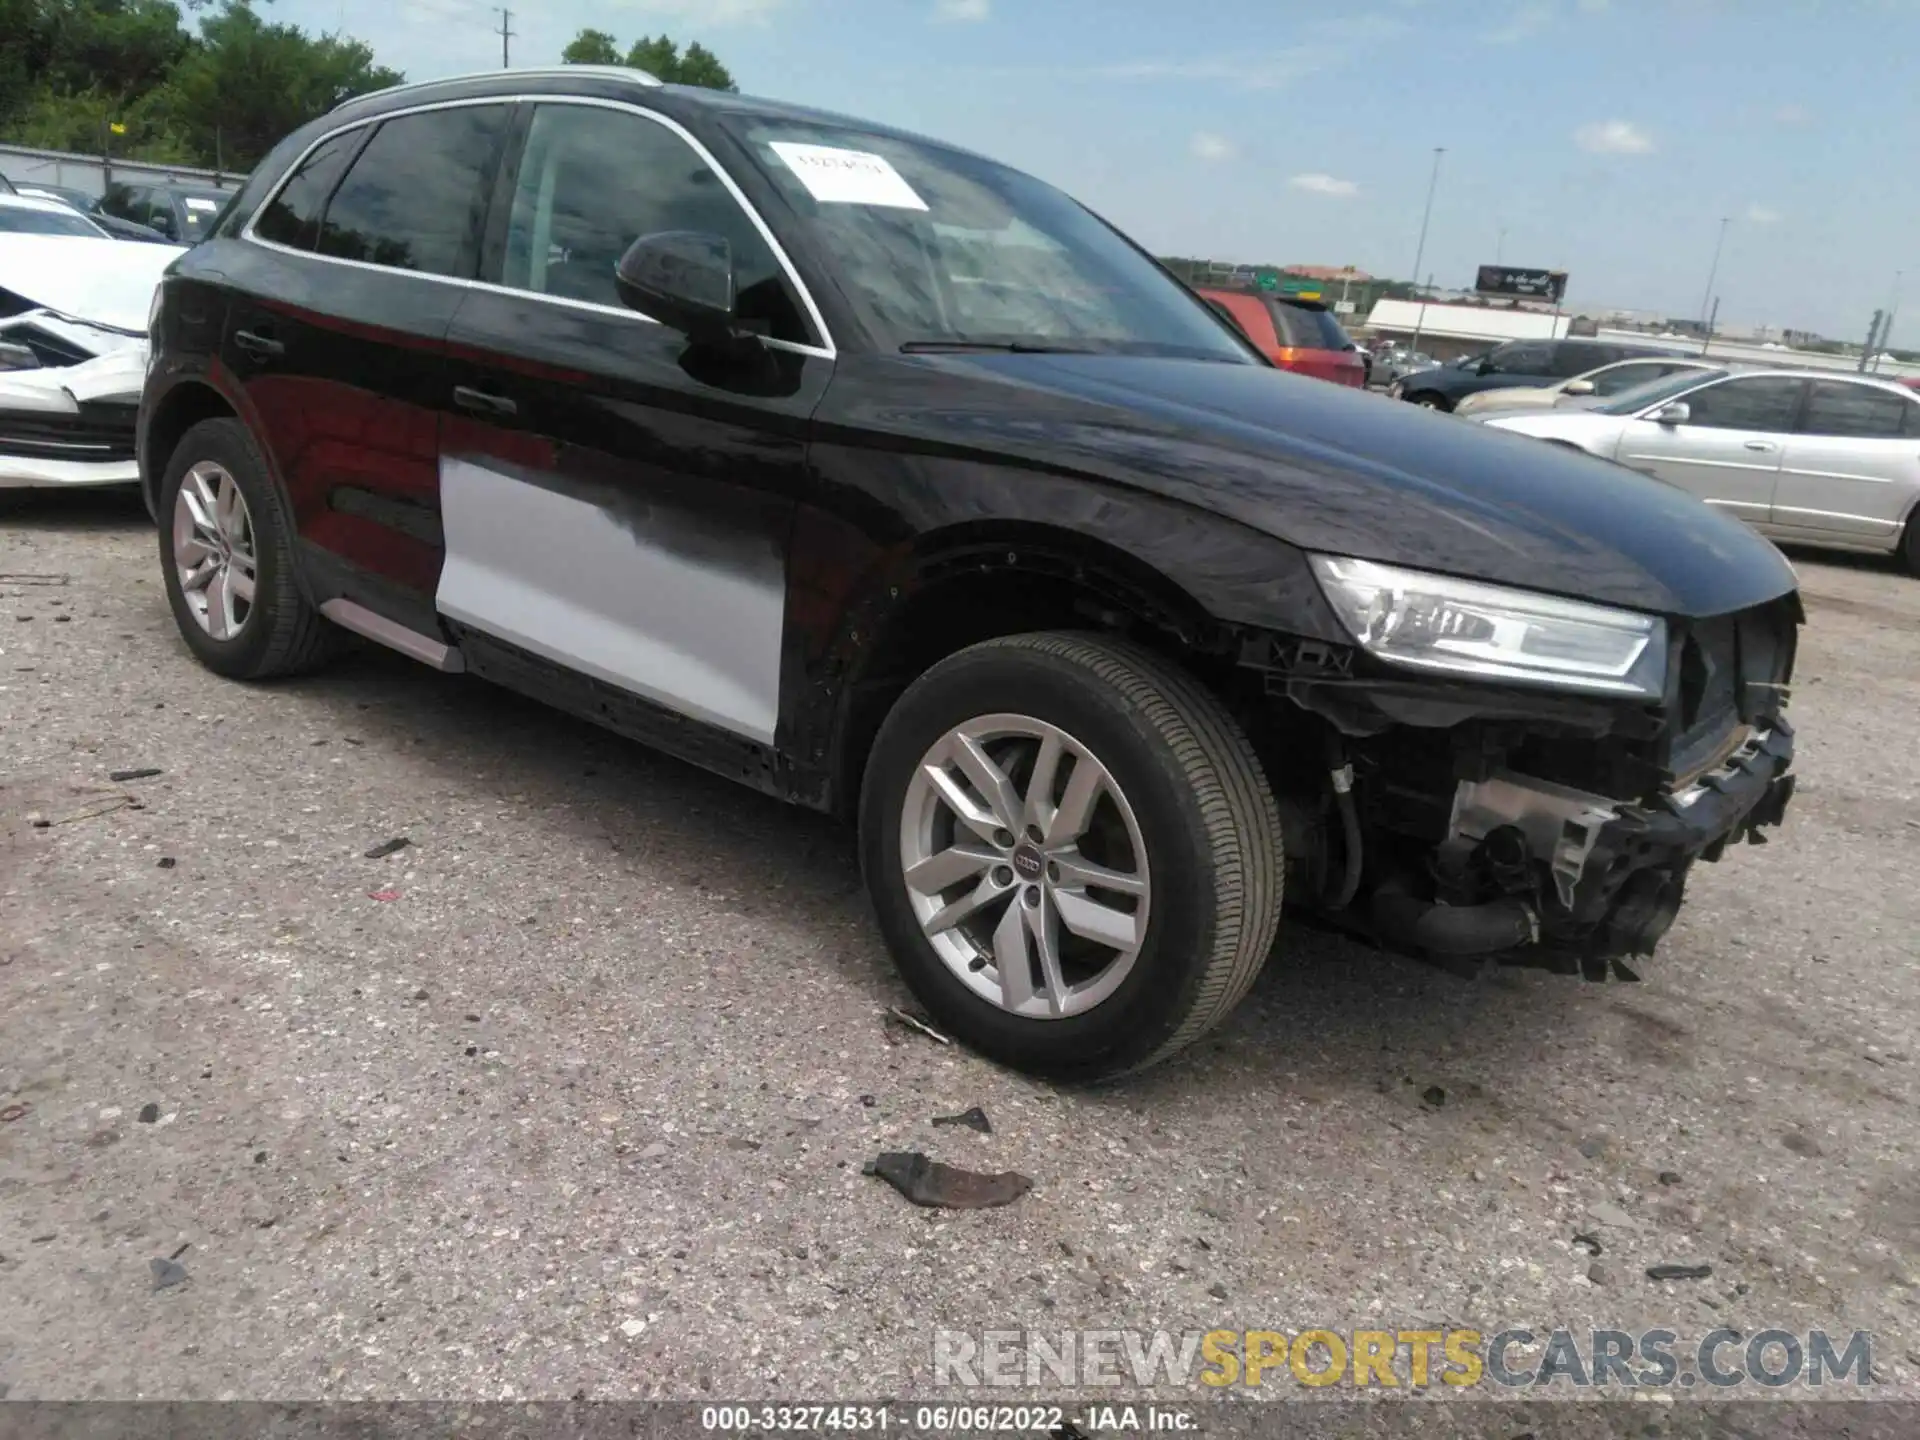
column 1181, row 778
column 1429, row 400
column 262, row 625
column 1910, row 544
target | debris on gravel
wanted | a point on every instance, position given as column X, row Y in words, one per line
column 973, row 1119
column 929, row 1183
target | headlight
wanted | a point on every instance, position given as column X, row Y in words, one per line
column 1434, row 622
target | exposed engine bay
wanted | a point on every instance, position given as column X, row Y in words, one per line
column 1465, row 824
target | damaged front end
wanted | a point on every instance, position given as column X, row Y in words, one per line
column 1463, row 822
column 73, row 357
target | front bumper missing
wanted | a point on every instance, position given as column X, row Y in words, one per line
column 1615, row 872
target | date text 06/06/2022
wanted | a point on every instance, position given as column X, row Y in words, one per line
column 1053, row 1420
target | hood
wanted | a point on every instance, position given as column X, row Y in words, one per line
column 103, row 282
column 1336, row 470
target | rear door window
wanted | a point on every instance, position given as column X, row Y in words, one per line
column 416, row 196
column 292, row 217
column 1856, row 412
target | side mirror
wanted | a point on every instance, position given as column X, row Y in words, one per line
column 1675, row 414
column 683, row 279
column 1486, row 367
column 163, row 222
column 1577, row 387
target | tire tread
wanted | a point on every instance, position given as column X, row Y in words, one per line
column 1237, row 809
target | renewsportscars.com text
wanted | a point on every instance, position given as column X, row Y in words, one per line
column 1722, row 1360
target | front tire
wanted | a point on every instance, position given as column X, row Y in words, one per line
column 1072, row 852
column 1910, row 544
column 1429, row 400
column 226, row 552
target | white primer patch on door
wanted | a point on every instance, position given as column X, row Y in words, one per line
column 624, row 603
column 848, row 177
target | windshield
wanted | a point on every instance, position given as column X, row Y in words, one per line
column 21, row 221
column 941, row 249
column 1654, row 391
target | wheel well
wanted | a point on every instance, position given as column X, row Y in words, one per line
column 186, row 406
column 969, row 599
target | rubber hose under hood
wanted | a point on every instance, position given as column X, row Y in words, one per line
column 1452, row 929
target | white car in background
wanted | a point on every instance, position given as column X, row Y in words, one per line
column 1807, row 456
column 1602, row 383
column 31, row 215
column 73, row 353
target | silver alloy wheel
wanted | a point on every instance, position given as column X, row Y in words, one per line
column 1025, row 866
column 213, row 550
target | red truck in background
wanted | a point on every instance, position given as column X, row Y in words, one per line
column 1297, row 335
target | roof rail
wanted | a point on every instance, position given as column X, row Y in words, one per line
column 617, row 72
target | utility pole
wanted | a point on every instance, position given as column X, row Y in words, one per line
column 1713, row 273
column 1893, row 308
column 1420, row 251
column 1707, row 339
column 1873, row 340
column 506, row 17
column 1419, row 323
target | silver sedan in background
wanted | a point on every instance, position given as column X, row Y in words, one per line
column 1602, row 383
column 1801, row 455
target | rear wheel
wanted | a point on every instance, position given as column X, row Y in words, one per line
column 1910, row 544
column 1072, row 852
column 226, row 551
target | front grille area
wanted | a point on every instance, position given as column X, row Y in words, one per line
column 1729, row 676
column 99, row 433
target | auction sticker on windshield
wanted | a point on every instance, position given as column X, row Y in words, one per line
column 848, row 177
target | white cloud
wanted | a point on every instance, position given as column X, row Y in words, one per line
column 706, row 12
column 1319, row 184
column 1211, row 148
column 1760, row 215
column 1792, row 115
column 1528, row 19
column 1260, row 72
column 1614, row 137
column 962, row 9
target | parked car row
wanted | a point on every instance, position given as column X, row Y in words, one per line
column 892, row 482
column 166, row 214
column 1808, row 456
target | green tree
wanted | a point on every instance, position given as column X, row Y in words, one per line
column 658, row 55
column 247, row 83
column 664, row 60
column 591, row 47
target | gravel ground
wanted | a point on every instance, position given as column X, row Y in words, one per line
column 571, row 1095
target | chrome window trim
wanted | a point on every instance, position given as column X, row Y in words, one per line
column 826, row 351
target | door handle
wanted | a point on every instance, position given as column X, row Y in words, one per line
column 481, row 403
column 262, row 347
column 1760, row 445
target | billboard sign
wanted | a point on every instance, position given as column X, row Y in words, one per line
column 1526, row 284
